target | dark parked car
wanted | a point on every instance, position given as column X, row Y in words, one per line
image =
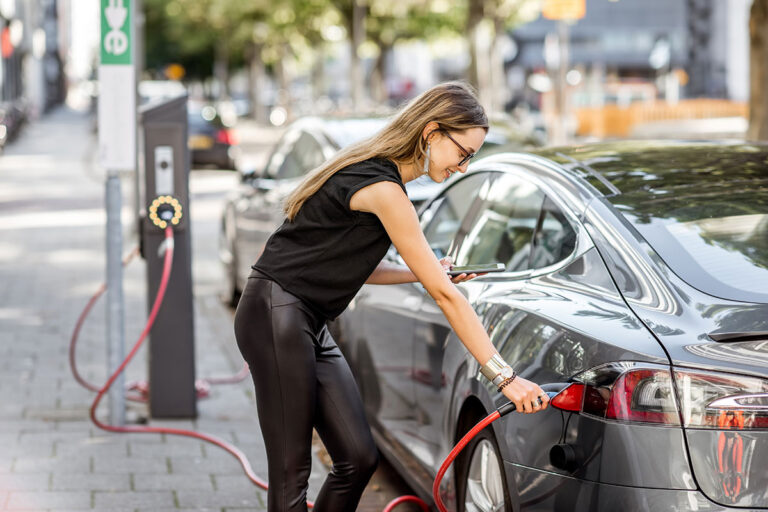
column 13, row 115
column 211, row 143
column 252, row 211
column 638, row 271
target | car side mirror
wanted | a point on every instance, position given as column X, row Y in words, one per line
column 265, row 184
column 247, row 175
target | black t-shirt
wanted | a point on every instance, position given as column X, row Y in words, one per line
column 328, row 251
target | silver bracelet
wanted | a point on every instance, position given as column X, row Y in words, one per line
column 497, row 370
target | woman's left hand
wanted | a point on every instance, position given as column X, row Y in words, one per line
column 447, row 263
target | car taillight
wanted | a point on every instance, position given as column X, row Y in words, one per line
column 570, row 398
column 722, row 401
column 225, row 136
column 631, row 392
column 643, row 395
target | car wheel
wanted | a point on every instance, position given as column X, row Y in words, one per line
column 481, row 483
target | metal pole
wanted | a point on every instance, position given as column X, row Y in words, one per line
column 117, row 148
column 562, row 83
column 115, row 306
column 138, row 49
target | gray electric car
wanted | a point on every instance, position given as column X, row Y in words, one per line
column 638, row 271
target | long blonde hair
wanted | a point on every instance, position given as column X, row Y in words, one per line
column 452, row 105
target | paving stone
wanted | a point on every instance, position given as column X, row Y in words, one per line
column 25, row 482
column 91, row 446
column 146, row 499
column 75, row 464
column 131, row 465
column 188, row 446
column 29, row 450
column 48, row 500
column 196, row 509
column 91, row 482
column 130, row 509
column 237, row 483
column 142, row 482
column 52, row 436
column 6, row 464
column 16, row 425
column 190, row 499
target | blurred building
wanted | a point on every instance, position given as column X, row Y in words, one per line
column 704, row 41
column 31, row 54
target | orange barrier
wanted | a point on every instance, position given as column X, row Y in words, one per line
column 615, row 121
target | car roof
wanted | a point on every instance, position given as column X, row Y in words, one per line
column 642, row 167
column 341, row 131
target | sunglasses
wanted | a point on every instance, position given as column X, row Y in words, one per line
column 467, row 153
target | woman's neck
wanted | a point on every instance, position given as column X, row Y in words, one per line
column 407, row 171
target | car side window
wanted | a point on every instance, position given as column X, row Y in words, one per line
column 555, row 238
column 503, row 229
column 281, row 152
column 442, row 221
column 305, row 155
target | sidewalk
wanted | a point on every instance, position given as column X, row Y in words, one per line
column 52, row 241
column 52, row 259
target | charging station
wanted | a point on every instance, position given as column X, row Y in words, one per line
column 166, row 167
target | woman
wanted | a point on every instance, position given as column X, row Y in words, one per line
column 339, row 224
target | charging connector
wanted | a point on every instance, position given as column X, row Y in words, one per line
column 164, row 210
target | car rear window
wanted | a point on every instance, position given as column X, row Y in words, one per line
column 702, row 206
column 718, row 243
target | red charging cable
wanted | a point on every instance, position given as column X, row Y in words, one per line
column 239, row 455
column 202, row 386
column 167, row 264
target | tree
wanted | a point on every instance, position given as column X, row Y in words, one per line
column 390, row 22
column 209, row 37
column 487, row 23
column 758, row 65
column 199, row 34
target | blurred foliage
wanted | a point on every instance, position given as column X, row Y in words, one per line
column 190, row 31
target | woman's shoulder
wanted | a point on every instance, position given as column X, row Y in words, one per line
column 371, row 166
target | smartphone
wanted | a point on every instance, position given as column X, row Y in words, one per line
column 477, row 269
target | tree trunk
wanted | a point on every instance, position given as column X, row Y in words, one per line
column 357, row 37
column 379, row 75
column 284, row 93
column 256, row 82
column 498, row 79
column 474, row 17
column 221, row 68
column 318, row 72
column 758, row 66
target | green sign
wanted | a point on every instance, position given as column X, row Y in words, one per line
column 116, row 32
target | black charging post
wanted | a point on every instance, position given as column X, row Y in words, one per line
column 166, row 185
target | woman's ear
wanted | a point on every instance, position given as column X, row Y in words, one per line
column 431, row 127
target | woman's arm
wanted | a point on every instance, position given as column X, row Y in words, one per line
column 388, row 201
column 391, row 273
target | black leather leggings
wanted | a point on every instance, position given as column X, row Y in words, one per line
column 302, row 381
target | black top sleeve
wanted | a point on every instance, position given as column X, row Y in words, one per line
column 358, row 176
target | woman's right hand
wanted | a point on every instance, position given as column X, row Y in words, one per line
column 525, row 395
